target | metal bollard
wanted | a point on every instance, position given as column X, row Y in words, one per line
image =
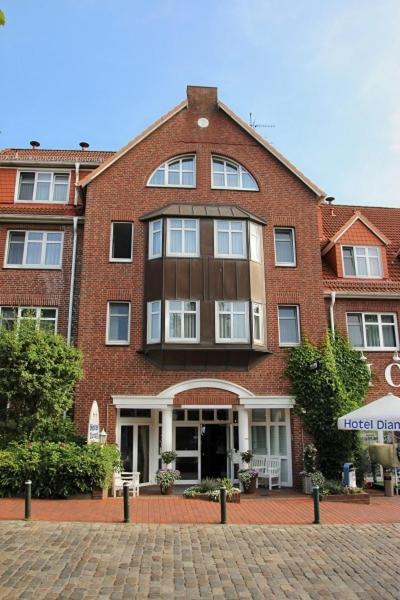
column 127, row 512
column 317, row 519
column 223, row 505
column 28, row 500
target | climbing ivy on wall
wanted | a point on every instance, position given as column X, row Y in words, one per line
column 328, row 382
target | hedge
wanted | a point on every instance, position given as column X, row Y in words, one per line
column 57, row 470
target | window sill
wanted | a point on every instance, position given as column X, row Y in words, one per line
column 286, row 265
column 187, row 187
column 294, row 345
column 120, row 260
column 33, row 267
column 233, row 189
column 374, row 349
column 30, row 202
column 118, row 343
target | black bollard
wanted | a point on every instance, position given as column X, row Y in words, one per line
column 317, row 519
column 127, row 515
column 223, row 505
column 28, row 500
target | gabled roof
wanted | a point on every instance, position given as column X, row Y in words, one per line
column 183, row 105
column 357, row 216
column 202, row 210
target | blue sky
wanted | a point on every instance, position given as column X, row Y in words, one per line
column 325, row 74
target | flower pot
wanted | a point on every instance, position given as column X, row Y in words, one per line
column 99, row 493
column 251, row 489
column 167, row 491
column 306, row 484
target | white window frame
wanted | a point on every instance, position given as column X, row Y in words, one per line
column 232, row 340
column 118, row 342
column 380, row 326
column 182, row 340
column 260, row 341
column 286, row 264
column 183, row 253
column 165, row 166
column 229, row 231
column 150, row 305
column 36, row 171
column 120, row 260
column 241, row 170
column 37, row 316
column 153, row 254
column 366, row 248
column 42, row 265
column 255, row 232
column 290, row 344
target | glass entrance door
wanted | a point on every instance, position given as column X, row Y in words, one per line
column 213, row 451
column 135, row 449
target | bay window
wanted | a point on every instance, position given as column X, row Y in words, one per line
column 230, row 239
column 372, row 331
column 232, row 322
column 155, row 239
column 182, row 237
column 258, row 326
column 154, row 322
column 182, row 321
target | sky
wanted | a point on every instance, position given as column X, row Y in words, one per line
column 325, row 74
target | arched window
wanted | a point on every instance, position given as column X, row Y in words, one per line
column 231, row 175
column 177, row 172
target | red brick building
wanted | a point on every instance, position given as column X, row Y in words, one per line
column 184, row 266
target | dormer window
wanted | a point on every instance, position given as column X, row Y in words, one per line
column 177, row 172
column 42, row 186
column 227, row 174
column 362, row 261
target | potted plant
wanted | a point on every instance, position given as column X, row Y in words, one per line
column 248, row 479
column 167, row 477
column 310, row 467
column 246, row 456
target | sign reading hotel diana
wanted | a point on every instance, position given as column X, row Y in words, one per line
column 94, row 424
column 370, row 424
column 389, row 372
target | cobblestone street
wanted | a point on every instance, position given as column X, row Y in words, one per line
column 113, row 561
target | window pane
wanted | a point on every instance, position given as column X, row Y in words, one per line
column 173, row 178
column 42, row 191
column 375, row 267
column 119, row 322
column 284, row 246
column 53, row 254
column 232, row 180
column 288, row 327
column 348, row 259
column 190, row 326
column 26, row 184
column 175, row 325
column 158, row 178
column 190, row 242
column 208, row 415
column 187, row 179
column 258, row 414
column 60, row 188
column 193, row 415
column 237, row 243
column 225, row 326
column 259, row 439
column 218, row 180
column 248, row 181
column 389, row 337
column 222, row 414
column 354, row 326
column 16, row 247
column 186, row 438
column 218, row 166
column 34, row 253
column 188, row 467
column 122, row 240
column 176, row 241
column 278, row 414
column 178, row 414
column 239, row 326
column 223, row 242
column 372, row 333
column 127, row 447
column 362, row 269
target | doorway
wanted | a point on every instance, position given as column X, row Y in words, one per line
column 135, row 449
column 213, row 451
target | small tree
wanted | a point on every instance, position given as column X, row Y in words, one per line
column 328, row 383
column 38, row 374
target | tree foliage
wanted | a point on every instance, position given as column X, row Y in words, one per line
column 328, row 382
column 38, row 374
column 2, row 18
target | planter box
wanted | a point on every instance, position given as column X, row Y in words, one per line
column 235, row 498
column 306, row 484
column 99, row 493
column 352, row 498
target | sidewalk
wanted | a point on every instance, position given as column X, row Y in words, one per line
column 178, row 510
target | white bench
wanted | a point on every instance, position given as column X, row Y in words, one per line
column 132, row 477
column 268, row 469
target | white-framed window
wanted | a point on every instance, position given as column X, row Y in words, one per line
column 231, row 322
column 121, row 241
column 362, row 261
column 285, row 248
column 229, row 239
column 177, row 172
column 46, row 318
column 372, row 331
column 118, row 323
column 258, row 322
column 183, row 237
column 289, row 325
column 34, row 249
column 271, row 436
column 155, row 238
column 182, row 321
column 227, row 174
column 154, row 322
column 255, row 242
column 42, row 186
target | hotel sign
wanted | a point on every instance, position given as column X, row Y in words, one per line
column 94, row 424
column 389, row 373
column 371, row 424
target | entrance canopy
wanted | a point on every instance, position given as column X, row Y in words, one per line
column 382, row 414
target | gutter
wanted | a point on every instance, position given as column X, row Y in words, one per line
column 332, row 313
column 37, row 218
column 76, row 183
column 72, row 283
column 364, row 295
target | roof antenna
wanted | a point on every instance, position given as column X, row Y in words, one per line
column 254, row 125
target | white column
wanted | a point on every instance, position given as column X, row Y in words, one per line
column 166, row 432
column 243, row 420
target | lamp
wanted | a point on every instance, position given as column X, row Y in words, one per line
column 103, row 437
column 396, row 357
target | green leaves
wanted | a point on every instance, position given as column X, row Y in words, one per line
column 326, row 393
column 2, row 18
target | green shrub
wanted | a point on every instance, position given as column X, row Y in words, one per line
column 57, row 470
column 333, row 486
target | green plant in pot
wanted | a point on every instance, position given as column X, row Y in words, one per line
column 248, row 477
column 167, row 477
column 310, row 467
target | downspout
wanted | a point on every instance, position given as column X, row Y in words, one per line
column 76, row 183
column 72, row 284
column 331, row 312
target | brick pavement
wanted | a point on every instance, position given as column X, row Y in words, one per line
column 49, row 561
column 159, row 509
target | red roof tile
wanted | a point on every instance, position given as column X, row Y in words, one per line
column 47, row 155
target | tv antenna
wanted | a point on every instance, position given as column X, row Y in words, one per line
column 254, row 125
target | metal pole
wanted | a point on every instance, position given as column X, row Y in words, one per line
column 223, row 505
column 28, row 500
column 127, row 515
column 317, row 519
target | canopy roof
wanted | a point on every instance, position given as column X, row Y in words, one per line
column 382, row 414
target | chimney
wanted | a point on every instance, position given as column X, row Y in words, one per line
column 329, row 200
column 202, row 99
column 84, row 145
column 34, row 144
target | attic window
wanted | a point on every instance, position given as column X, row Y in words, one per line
column 177, row 172
column 362, row 261
column 231, row 175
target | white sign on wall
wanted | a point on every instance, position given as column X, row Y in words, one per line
column 94, row 424
column 389, row 373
